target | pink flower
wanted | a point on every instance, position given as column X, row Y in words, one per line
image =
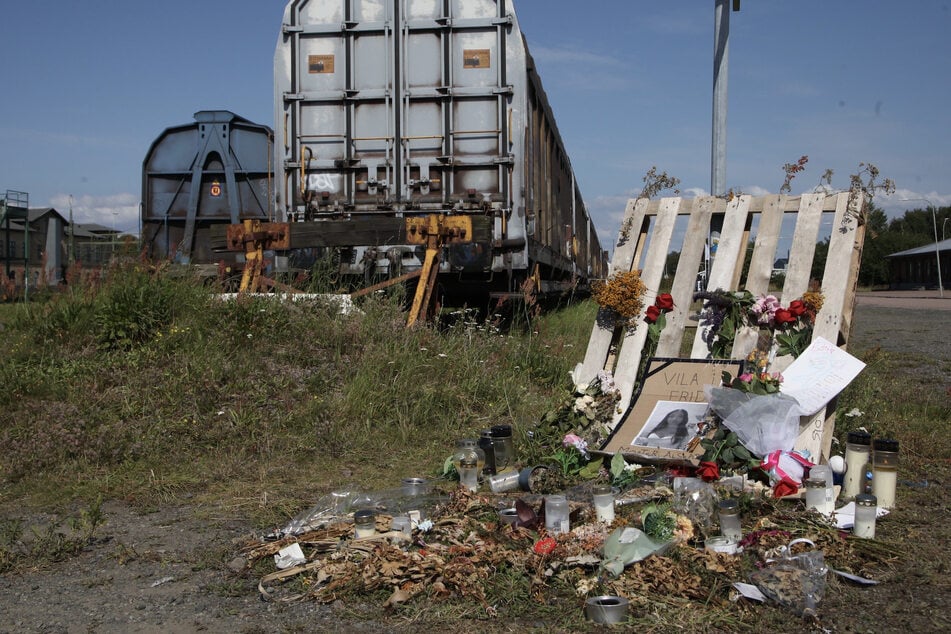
column 579, row 443
column 765, row 309
column 746, row 377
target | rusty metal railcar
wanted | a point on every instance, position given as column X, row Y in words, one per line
column 388, row 109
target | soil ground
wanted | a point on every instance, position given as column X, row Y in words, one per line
column 173, row 570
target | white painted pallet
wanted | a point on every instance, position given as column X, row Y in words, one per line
column 646, row 240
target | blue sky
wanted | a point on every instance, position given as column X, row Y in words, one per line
column 89, row 85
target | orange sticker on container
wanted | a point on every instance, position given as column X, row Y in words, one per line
column 320, row 63
column 215, row 189
column 476, row 58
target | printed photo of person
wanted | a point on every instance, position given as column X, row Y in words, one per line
column 672, row 425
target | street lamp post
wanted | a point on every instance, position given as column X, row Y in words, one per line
column 937, row 251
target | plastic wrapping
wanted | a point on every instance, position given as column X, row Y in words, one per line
column 340, row 505
column 795, row 581
column 626, row 545
column 762, row 423
column 696, row 500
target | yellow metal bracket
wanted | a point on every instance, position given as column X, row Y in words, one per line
column 434, row 232
column 253, row 237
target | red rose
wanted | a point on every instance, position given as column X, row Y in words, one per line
column 652, row 314
column 665, row 302
column 797, row 308
column 783, row 316
column 785, row 487
column 681, row 472
column 545, row 546
column 708, row 471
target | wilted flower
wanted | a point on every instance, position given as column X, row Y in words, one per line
column 545, row 546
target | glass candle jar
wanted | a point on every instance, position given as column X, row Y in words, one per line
column 364, row 523
column 824, row 471
column 469, row 460
column 487, row 444
column 411, row 487
column 603, row 503
column 885, row 472
column 403, row 524
column 729, row 514
column 556, row 514
column 858, row 449
column 866, row 508
column 504, row 447
column 502, row 482
column 816, row 494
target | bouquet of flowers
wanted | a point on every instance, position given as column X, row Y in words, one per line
column 752, row 407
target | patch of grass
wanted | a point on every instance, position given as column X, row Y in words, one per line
column 144, row 386
column 54, row 541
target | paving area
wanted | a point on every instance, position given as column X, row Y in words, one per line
column 920, row 300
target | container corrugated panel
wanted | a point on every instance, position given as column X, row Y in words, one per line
column 213, row 171
column 420, row 106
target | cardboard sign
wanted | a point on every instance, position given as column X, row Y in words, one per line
column 666, row 410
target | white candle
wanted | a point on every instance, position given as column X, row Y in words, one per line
column 856, row 461
column 884, row 482
column 865, row 512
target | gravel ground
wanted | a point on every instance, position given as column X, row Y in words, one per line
column 169, row 571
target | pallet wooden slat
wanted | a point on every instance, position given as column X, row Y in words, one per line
column 599, row 343
column 632, row 344
column 688, row 267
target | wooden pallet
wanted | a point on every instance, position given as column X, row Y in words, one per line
column 646, row 240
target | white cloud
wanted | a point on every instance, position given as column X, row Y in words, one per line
column 116, row 210
column 904, row 199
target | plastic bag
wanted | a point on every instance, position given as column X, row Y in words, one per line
column 696, row 500
column 762, row 423
column 626, row 545
column 795, row 581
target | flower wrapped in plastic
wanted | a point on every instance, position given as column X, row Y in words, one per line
column 763, row 422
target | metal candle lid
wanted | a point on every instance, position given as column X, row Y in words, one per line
column 883, row 444
column 364, row 517
column 859, row 438
column 731, row 506
column 866, row 499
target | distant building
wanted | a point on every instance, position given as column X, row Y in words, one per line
column 918, row 268
column 37, row 245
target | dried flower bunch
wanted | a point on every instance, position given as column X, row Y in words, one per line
column 621, row 294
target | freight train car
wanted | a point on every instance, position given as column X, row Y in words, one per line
column 389, row 109
column 196, row 176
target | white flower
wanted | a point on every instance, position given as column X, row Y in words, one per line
column 425, row 526
column 854, row 412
